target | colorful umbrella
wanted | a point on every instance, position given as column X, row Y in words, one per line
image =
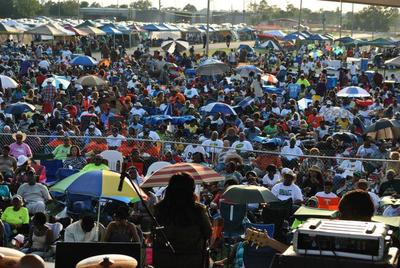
column 83, row 61
column 218, row 107
column 244, row 194
column 316, row 53
column 269, row 78
column 353, row 92
column 97, row 183
column 200, row 173
column 7, row 82
column 57, row 81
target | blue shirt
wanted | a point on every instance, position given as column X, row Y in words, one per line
column 293, row 90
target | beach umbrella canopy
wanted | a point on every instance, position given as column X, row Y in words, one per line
column 175, row 45
column 200, row 173
column 272, row 90
column 97, row 183
column 245, row 70
column 7, row 82
column 346, row 137
column 244, row 194
column 269, row 78
column 83, row 61
column 218, row 107
column 212, row 67
column 91, row 81
column 56, row 81
column 380, row 125
column 245, row 102
column 156, row 166
column 20, row 108
column 337, row 112
column 47, row 30
column 353, row 92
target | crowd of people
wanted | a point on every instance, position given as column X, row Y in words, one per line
column 149, row 107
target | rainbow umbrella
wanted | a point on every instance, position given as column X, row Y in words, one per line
column 100, row 184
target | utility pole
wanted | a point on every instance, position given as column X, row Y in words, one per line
column 244, row 11
column 299, row 22
column 159, row 11
column 352, row 19
column 341, row 19
column 79, row 9
column 208, row 28
column 59, row 9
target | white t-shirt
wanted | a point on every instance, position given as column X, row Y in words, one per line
column 283, row 192
column 242, row 145
column 190, row 150
column 270, row 183
column 375, row 199
column 211, row 146
column 292, row 153
column 325, row 195
column 350, row 167
column 44, row 64
column 115, row 141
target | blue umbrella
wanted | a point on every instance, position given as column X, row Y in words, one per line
column 246, row 102
column 20, row 108
column 272, row 90
column 168, row 110
column 218, row 107
column 83, row 61
column 156, row 119
column 57, row 81
column 180, row 120
column 353, row 92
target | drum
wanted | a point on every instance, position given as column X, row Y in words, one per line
column 108, row 261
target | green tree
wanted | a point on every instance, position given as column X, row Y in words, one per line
column 95, row 4
column 142, row 4
column 189, row 8
column 374, row 18
column 6, row 8
column 26, row 8
column 123, row 6
column 84, row 4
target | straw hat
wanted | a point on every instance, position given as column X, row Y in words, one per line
column 315, row 169
column 14, row 136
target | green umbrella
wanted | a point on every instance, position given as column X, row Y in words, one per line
column 244, row 194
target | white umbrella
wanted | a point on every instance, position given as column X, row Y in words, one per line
column 172, row 45
column 8, row 82
column 353, row 92
column 56, row 81
column 212, row 67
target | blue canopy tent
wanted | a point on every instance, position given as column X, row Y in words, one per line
column 345, row 40
column 294, row 36
column 154, row 28
column 110, row 30
column 317, row 37
column 169, row 27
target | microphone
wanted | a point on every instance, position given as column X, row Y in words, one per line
column 121, row 180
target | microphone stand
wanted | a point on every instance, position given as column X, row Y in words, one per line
column 158, row 227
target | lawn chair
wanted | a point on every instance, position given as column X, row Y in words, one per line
column 277, row 213
column 114, row 159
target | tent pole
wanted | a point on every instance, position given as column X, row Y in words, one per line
column 98, row 219
column 352, row 19
column 208, row 28
column 341, row 19
column 299, row 22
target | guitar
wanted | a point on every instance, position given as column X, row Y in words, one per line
column 257, row 237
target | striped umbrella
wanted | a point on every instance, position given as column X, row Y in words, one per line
column 218, row 107
column 200, row 173
column 353, row 92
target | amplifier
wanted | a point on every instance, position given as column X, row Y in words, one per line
column 352, row 239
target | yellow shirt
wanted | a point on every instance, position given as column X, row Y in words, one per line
column 15, row 217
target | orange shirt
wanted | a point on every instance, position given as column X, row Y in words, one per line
column 264, row 160
column 314, row 120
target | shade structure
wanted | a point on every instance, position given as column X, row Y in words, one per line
column 175, row 46
column 272, row 89
column 109, row 30
column 269, row 78
column 77, row 31
column 156, row 166
column 218, row 107
column 389, row 3
column 346, row 137
column 270, row 45
column 245, row 70
column 353, row 92
column 57, row 81
column 92, row 30
column 83, row 60
column 379, row 125
column 20, row 108
column 200, row 174
column 97, row 183
column 244, row 194
column 46, row 30
column 7, row 82
column 5, row 29
column 212, row 67
column 91, row 81
column 393, row 62
column 294, row 36
column 336, row 112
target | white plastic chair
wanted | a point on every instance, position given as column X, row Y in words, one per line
column 114, row 159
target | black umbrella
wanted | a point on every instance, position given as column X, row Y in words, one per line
column 345, row 137
column 379, row 125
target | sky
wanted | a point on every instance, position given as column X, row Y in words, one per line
column 237, row 4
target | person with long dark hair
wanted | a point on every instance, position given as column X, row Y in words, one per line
column 186, row 226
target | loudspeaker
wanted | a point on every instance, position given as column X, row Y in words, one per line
column 69, row 254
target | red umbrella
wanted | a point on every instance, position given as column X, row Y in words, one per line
column 364, row 103
column 200, row 173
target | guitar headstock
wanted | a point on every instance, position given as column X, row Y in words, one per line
column 256, row 237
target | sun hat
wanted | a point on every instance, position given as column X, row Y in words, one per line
column 14, row 136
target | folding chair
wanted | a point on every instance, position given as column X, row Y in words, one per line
column 276, row 213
